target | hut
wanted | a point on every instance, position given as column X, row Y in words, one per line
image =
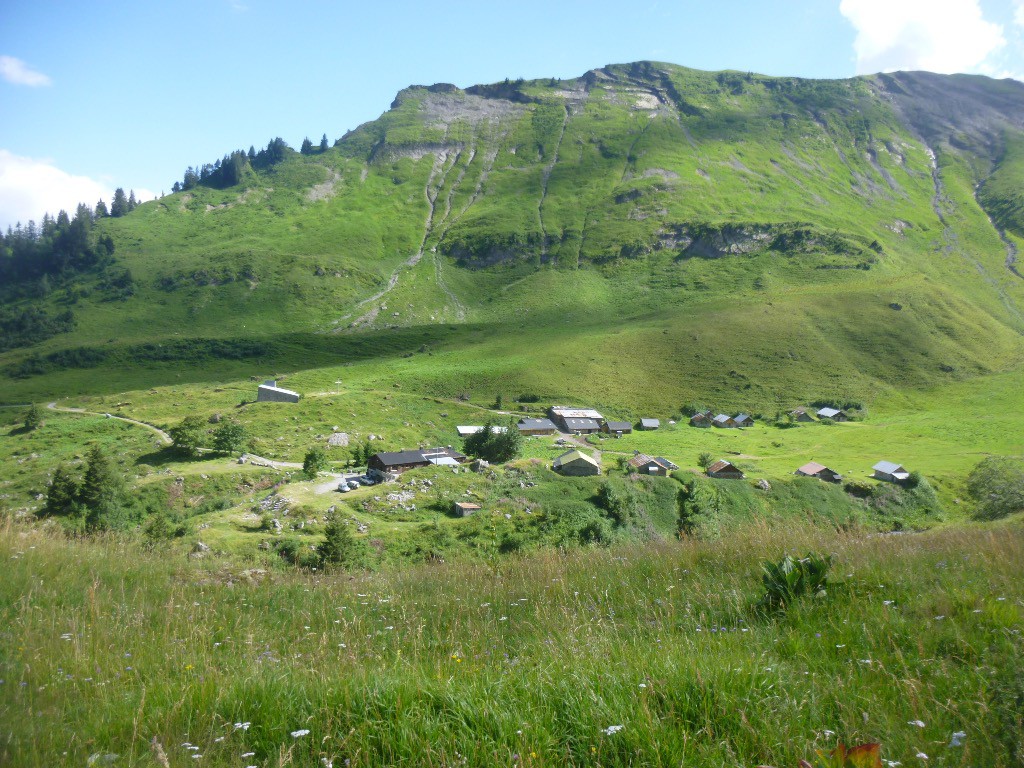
column 651, row 465
column 724, row 470
column 617, row 427
column 832, row 413
column 820, row 471
column 890, row 472
column 269, row 392
column 576, row 464
column 536, row 427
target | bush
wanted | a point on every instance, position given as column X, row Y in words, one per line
column 789, row 579
column 314, row 462
column 997, row 485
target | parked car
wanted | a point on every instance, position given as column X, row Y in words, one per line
column 343, row 486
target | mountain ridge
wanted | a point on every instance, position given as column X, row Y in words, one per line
column 633, row 193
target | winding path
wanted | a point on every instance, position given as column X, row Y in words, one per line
column 164, row 437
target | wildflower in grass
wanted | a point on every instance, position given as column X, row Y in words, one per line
column 918, row 723
column 248, row 754
column 958, row 739
column 921, row 756
column 242, row 727
column 300, row 732
column 611, row 730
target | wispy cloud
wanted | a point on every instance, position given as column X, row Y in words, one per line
column 948, row 36
column 238, row 6
column 18, row 72
column 1018, row 13
column 29, row 188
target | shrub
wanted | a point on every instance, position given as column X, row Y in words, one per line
column 790, row 579
column 997, row 485
column 314, row 462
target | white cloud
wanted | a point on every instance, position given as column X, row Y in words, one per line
column 29, row 188
column 947, row 36
column 18, row 72
column 1018, row 13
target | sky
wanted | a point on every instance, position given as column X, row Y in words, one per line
column 107, row 94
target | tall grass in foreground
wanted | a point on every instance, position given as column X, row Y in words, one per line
column 108, row 650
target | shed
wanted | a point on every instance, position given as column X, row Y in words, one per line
column 537, row 427
column 400, row 461
column 722, row 469
column 269, row 392
column 649, row 424
column 820, row 471
column 613, row 427
column 801, row 414
column 832, row 413
column 744, row 420
column 651, row 465
column 701, row 419
column 576, row 463
column 893, row 473
column 466, row 508
column 724, row 421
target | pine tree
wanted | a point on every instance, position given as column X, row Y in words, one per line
column 33, row 419
column 61, row 493
column 120, row 205
column 307, row 146
column 339, row 547
column 101, row 210
column 314, row 462
column 323, row 143
column 102, row 491
column 132, row 202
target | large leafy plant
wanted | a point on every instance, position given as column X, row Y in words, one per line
column 791, row 578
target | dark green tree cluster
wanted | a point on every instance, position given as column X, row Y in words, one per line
column 493, row 445
column 33, row 418
column 99, row 499
column 122, row 205
column 193, row 434
column 340, row 548
column 231, row 169
column 33, row 259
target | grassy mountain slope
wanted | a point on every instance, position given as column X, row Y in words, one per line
column 643, row 233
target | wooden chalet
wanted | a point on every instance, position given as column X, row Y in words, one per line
column 576, row 464
column 617, row 427
column 890, row 472
column 724, row 421
column 832, row 413
column 820, row 471
column 701, row 419
column 537, row 427
column 396, row 462
column 801, row 414
column 724, row 470
column 744, row 420
column 651, row 465
column 650, row 424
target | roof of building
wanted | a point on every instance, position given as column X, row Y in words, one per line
column 618, row 426
column 889, row 468
column 571, row 423
column 828, row 413
column 472, row 430
column 640, row 460
column 666, row 463
column 722, row 418
column 440, row 456
column 721, row 465
column 467, row 505
column 701, row 415
column 799, row 409
column 811, row 468
column 575, row 455
column 536, row 424
column 744, row 417
column 650, row 423
column 275, row 388
column 575, row 412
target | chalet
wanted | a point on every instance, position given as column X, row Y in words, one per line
column 617, row 427
column 832, row 413
column 269, row 392
column 744, row 420
column 725, row 422
column 559, row 414
column 396, row 462
column 536, row 427
column 701, row 419
column 466, row 508
column 820, row 471
column 472, row 430
column 649, row 424
column 651, row 465
column 801, row 414
column 722, row 469
column 887, row 470
column 576, row 464
column 581, row 426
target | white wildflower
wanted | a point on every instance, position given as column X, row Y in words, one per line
column 612, row 729
column 300, row 732
column 958, row 739
column 921, row 756
column 918, row 723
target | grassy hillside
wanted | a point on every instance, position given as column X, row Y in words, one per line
column 647, row 224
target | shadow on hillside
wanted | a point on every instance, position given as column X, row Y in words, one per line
column 169, row 455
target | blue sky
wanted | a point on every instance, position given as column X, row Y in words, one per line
column 105, row 94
